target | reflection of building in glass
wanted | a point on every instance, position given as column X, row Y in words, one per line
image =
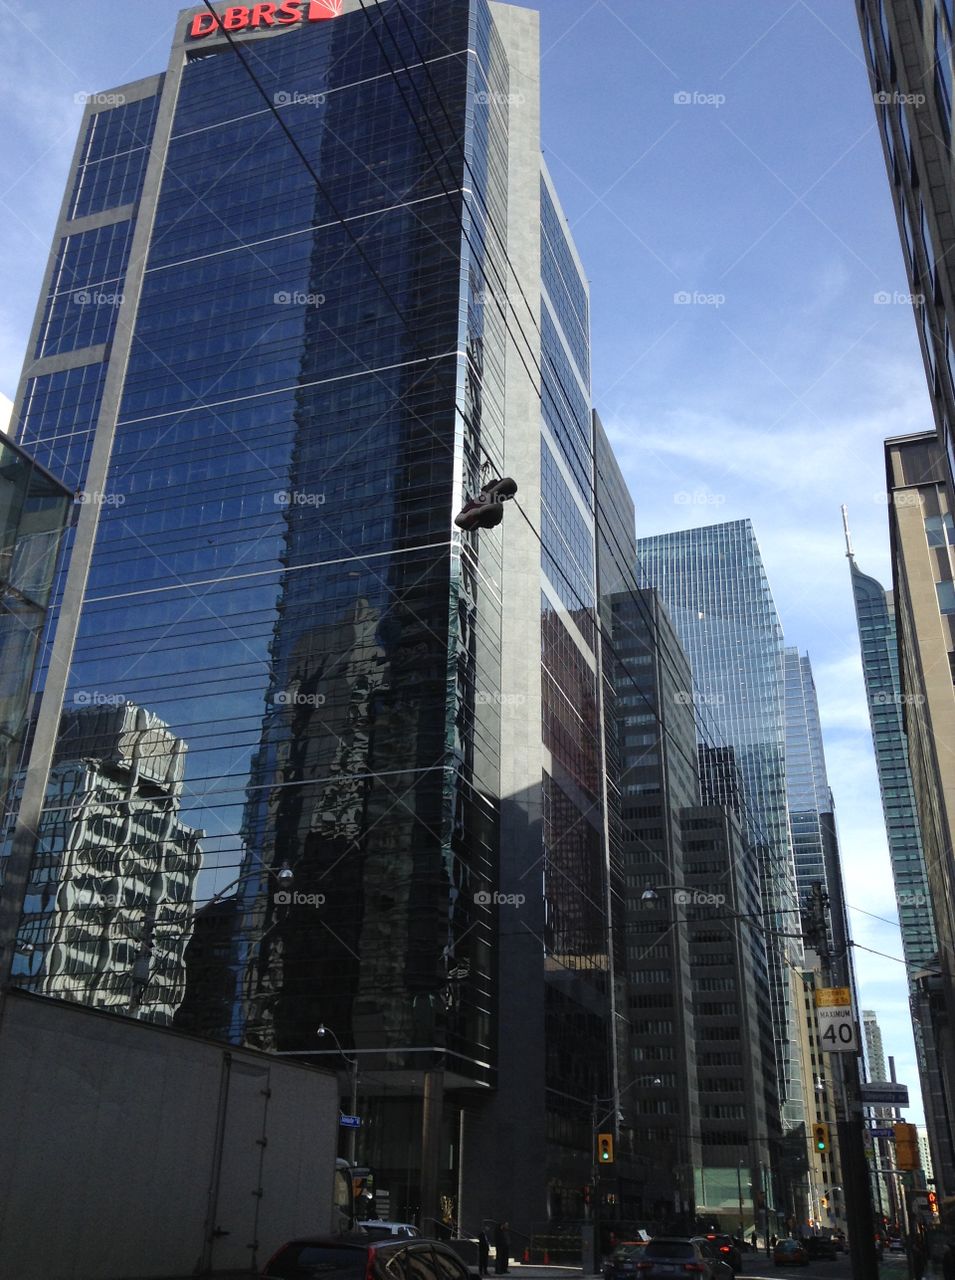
column 34, row 508
column 715, row 589
column 281, row 442
column 922, row 535
column 109, row 905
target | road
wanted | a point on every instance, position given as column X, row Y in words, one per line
column 759, row 1267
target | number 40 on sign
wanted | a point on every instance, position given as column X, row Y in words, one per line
column 834, row 1020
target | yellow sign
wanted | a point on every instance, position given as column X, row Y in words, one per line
column 829, row 997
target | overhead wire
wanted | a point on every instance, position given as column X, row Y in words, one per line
column 608, row 524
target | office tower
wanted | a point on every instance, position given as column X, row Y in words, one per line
column 283, row 378
column 884, row 1192
column 824, row 1097
column 109, row 906
column 807, row 786
column 874, row 1050
column 656, row 734
column 921, row 536
column 715, row 589
column 738, row 1100
column 908, row 49
column 925, row 1154
column 878, row 639
column 616, row 550
column 34, row 510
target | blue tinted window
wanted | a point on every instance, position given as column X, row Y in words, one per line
column 115, row 155
column 86, row 291
column 563, row 283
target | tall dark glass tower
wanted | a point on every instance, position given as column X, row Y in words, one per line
column 277, row 392
column 878, row 639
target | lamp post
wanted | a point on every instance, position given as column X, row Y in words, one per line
column 353, row 1071
column 739, row 1192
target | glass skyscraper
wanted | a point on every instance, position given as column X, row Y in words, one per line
column 878, row 639
column 276, row 381
column 715, row 588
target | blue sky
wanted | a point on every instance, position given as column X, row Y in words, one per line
column 722, row 152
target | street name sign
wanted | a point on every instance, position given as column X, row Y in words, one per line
column 350, row 1122
column 883, row 1093
column 834, row 1021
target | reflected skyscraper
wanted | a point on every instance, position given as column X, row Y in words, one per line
column 109, row 906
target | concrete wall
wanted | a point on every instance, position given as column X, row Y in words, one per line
column 124, row 1147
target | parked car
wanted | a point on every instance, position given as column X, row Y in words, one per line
column 335, row 1258
column 728, row 1249
column 896, row 1245
column 839, row 1240
column 379, row 1229
column 667, row 1256
column 790, row 1253
column 623, row 1261
column 821, row 1247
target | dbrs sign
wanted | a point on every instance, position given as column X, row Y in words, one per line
column 250, row 17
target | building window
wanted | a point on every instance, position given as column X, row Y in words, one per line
column 940, row 530
column 946, row 596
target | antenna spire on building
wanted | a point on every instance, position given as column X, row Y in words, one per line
column 845, row 524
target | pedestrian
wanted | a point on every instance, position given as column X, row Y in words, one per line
column 948, row 1261
column 772, row 1241
column 752, row 1240
column 484, row 1251
column 502, row 1248
column 918, row 1258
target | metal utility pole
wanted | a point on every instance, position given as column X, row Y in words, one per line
column 849, row 1074
column 353, row 1074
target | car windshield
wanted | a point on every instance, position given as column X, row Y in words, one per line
column 625, row 1251
column 787, row 1246
column 679, row 1249
column 304, row 1261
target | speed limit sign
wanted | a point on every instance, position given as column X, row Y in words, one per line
column 836, row 1026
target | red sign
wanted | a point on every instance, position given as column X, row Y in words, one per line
column 251, row 17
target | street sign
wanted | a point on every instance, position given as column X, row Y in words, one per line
column 350, row 1122
column 883, row 1133
column 835, row 1023
column 883, row 1093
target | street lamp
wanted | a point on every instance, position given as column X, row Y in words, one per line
column 353, row 1070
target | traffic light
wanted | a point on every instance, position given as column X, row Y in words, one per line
column 605, row 1148
column 820, row 1136
column 933, row 1203
column 907, row 1156
column 486, row 511
column 824, row 1202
